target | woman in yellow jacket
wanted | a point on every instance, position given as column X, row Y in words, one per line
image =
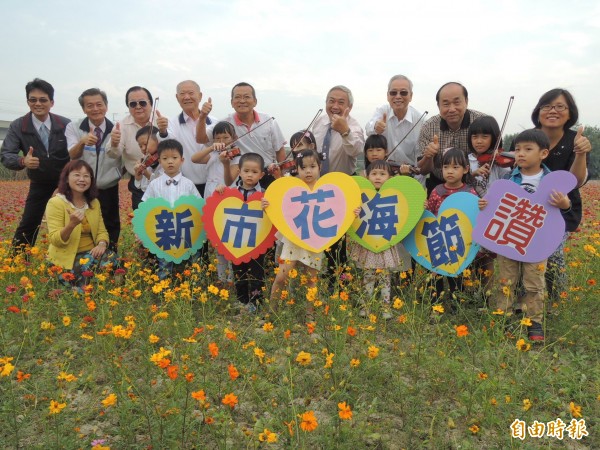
column 76, row 233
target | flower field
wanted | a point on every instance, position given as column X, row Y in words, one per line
column 134, row 362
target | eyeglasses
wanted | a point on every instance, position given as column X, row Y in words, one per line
column 558, row 108
column 142, row 103
column 34, row 100
column 402, row 93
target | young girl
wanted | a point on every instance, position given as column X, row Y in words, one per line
column 148, row 168
column 455, row 170
column 222, row 168
column 301, row 140
column 376, row 150
column 483, row 135
column 376, row 266
column 308, row 164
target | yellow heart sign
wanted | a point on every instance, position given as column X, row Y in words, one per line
column 316, row 218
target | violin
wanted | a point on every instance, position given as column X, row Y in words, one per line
column 233, row 152
column 149, row 160
column 502, row 158
column 414, row 170
column 285, row 167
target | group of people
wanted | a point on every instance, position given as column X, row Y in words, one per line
column 191, row 153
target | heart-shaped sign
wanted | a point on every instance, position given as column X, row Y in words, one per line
column 240, row 231
column 520, row 225
column 313, row 219
column 387, row 215
column 173, row 233
column 444, row 244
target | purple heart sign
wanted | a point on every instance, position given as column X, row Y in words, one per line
column 522, row 226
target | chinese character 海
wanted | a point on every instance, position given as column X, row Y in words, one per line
column 380, row 214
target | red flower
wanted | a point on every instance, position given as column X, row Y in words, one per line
column 14, row 309
column 87, row 273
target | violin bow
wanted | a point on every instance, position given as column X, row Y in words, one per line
column 406, row 135
column 497, row 146
column 145, row 158
column 312, row 122
column 230, row 146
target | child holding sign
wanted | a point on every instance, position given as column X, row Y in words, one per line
column 456, row 173
column 308, row 164
column 377, row 266
column 531, row 148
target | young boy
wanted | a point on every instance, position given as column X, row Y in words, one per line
column 170, row 185
column 146, row 169
column 249, row 277
column 531, row 148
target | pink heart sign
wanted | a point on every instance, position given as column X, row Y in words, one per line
column 522, row 226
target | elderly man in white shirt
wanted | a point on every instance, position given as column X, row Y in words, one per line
column 183, row 128
column 398, row 122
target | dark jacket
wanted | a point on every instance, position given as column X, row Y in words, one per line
column 22, row 135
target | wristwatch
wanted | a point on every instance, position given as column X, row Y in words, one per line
column 346, row 133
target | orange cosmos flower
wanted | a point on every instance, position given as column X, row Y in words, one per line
column 233, row 372
column 230, row 400
column 345, row 412
column 461, row 330
column 309, row 421
column 213, row 349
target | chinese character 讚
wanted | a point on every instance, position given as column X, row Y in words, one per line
column 515, row 222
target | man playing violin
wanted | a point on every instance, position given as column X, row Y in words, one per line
column 449, row 128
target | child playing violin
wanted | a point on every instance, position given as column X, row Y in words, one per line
column 301, row 140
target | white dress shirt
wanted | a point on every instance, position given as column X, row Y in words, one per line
column 158, row 188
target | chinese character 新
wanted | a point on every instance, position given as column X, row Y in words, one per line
column 174, row 229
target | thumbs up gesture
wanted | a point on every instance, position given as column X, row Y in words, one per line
column 340, row 123
column 161, row 123
column 380, row 125
column 581, row 144
column 206, row 108
column 30, row 161
column 432, row 148
column 115, row 135
column 90, row 139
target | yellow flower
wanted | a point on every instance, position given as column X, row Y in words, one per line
column 293, row 273
column 474, row 429
column 498, row 312
column 575, row 410
column 153, row 339
column 56, row 407
column 303, row 358
column 354, row 362
column 64, row 376
column 309, row 421
column 83, row 261
column 506, row 291
column 267, row 436
column 522, row 346
column 372, row 352
column 268, row 326
column 66, row 320
column 526, row 322
column 329, row 360
column 345, row 412
column 7, row 369
column 46, row 326
column 438, row 308
column 397, row 303
column 111, row 400
column 526, row 404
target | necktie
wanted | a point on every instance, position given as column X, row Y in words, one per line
column 98, row 133
column 44, row 134
column 325, row 150
column 173, row 182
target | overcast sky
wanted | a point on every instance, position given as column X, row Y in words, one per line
column 294, row 51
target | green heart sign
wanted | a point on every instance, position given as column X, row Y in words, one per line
column 388, row 215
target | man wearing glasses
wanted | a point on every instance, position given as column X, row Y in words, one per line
column 267, row 140
column 447, row 129
column 398, row 122
column 123, row 143
column 36, row 142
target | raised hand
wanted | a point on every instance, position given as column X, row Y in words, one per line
column 161, row 122
column 340, row 123
column 581, row 144
column 30, row 161
column 381, row 125
column 115, row 135
column 90, row 139
column 206, row 108
column 432, row 148
column 76, row 217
